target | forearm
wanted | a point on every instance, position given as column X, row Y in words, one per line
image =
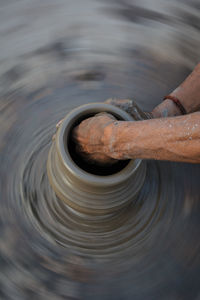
column 175, row 139
column 188, row 94
column 189, row 91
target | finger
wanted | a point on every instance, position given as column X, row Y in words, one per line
column 148, row 115
column 94, row 158
column 98, row 159
column 76, row 137
column 75, row 133
column 109, row 117
column 106, row 114
column 80, row 150
column 138, row 113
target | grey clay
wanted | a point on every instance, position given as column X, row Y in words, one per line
column 82, row 191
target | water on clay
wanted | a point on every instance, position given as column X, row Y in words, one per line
column 56, row 55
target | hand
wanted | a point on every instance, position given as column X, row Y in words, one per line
column 131, row 108
column 89, row 138
column 165, row 109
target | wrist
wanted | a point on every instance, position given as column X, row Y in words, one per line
column 166, row 109
column 188, row 92
column 123, row 140
column 114, row 140
column 129, row 140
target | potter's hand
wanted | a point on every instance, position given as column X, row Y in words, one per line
column 131, row 108
column 175, row 139
column 89, row 137
column 165, row 109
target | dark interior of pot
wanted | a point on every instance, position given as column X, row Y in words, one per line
column 86, row 164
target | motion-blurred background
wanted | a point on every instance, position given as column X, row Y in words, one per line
column 56, row 55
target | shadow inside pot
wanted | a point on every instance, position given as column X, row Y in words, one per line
column 90, row 166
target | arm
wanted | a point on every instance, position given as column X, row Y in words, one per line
column 164, row 138
column 188, row 93
column 175, row 139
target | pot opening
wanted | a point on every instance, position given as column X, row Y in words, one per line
column 92, row 167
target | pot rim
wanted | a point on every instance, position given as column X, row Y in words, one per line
column 72, row 167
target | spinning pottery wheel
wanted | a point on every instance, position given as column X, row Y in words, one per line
column 124, row 234
column 69, row 230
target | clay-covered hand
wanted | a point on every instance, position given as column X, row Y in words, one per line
column 88, row 137
column 165, row 109
column 130, row 107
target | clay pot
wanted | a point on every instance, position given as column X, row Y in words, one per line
column 92, row 189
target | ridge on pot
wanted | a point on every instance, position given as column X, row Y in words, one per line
column 92, row 190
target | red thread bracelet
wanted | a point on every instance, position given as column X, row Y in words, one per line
column 177, row 102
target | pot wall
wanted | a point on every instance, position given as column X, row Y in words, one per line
column 85, row 192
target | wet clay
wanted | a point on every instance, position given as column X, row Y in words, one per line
column 98, row 193
column 85, row 249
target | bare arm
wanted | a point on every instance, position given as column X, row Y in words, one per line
column 188, row 93
column 163, row 138
column 175, row 139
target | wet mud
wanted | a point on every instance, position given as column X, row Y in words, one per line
column 151, row 249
